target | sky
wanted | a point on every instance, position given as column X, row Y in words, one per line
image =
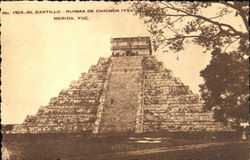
column 41, row 56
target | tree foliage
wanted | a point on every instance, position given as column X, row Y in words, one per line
column 172, row 24
column 225, row 89
column 208, row 24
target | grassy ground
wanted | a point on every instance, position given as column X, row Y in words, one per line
column 226, row 152
column 53, row 147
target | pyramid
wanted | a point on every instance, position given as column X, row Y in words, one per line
column 130, row 91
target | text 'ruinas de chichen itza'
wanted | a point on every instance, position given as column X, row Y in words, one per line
column 131, row 91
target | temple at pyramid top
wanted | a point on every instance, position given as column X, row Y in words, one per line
column 131, row 46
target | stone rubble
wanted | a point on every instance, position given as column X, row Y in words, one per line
column 75, row 108
column 122, row 93
column 172, row 103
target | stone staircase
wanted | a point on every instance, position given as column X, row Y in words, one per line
column 123, row 96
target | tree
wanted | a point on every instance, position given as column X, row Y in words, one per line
column 172, row 24
column 176, row 24
column 225, row 90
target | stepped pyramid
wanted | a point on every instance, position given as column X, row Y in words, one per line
column 131, row 91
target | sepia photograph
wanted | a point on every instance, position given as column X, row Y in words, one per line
column 127, row 80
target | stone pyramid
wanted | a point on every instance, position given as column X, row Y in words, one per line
column 131, row 91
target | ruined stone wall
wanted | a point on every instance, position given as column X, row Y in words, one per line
column 74, row 109
column 122, row 99
column 123, row 94
column 170, row 105
column 102, row 100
